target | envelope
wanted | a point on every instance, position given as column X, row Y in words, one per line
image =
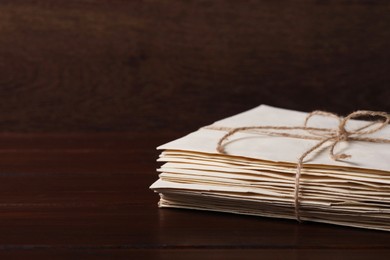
column 256, row 173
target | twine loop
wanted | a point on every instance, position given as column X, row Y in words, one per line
column 324, row 135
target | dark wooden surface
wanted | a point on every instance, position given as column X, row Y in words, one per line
column 118, row 65
column 89, row 88
column 86, row 196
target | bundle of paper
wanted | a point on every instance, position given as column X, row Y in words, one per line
column 257, row 172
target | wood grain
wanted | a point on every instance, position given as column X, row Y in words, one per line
column 146, row 65
column 86, row 196
column 89, row 88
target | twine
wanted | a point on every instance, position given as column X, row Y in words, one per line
column 324, row 135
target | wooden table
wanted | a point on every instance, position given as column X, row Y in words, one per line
column 86, row 196
column 89, row 88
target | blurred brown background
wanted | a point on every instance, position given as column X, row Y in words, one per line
column 99, row 65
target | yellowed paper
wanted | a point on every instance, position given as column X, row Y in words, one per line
column 256, row 176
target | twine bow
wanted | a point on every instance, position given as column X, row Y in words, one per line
column 324, row 135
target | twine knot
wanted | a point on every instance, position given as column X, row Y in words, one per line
column 324, row 135
column 342, row 135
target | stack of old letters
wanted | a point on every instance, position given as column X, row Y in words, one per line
column 257, row 172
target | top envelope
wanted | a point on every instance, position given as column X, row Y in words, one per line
column 365, row 155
